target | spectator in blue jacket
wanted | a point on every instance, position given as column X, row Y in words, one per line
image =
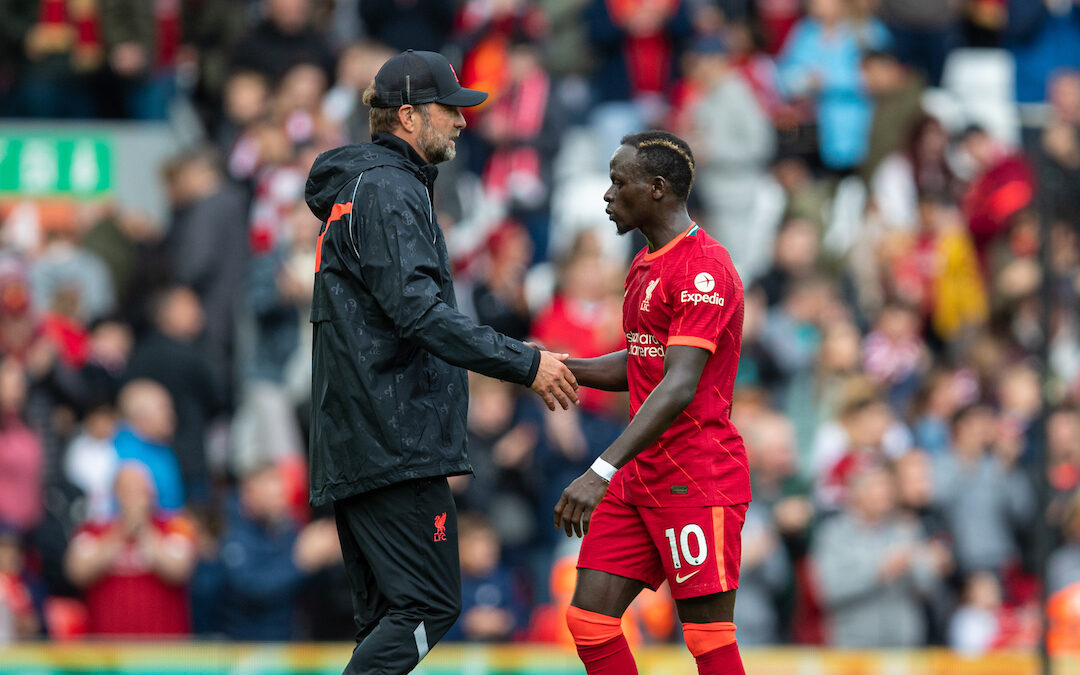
column 145, row 435
column 490, row 607
column 266, row 558
column 820, row 60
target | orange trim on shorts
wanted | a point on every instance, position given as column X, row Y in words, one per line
column 690, row 341
column 718, row 545
column 335, row 215
column 590, row 629
column 703, row 638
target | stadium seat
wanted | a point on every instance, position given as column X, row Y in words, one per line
column 983, row 82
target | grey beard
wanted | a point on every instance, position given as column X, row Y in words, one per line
column 436, row 153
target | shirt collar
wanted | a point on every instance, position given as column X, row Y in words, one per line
column 402, row 147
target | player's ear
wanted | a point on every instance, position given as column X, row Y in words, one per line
column 407, row 115
column 659, row 187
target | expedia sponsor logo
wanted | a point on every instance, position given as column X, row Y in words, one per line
column 704, row 282
column 707, row 298
column 645, row 345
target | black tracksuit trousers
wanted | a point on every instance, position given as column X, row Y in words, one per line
column 400, row 545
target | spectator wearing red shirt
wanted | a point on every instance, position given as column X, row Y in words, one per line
column 21, row 457
column 1001, row 187
column 135, row 568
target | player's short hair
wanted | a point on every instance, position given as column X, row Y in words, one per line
column 664, row 154
column 380, row 120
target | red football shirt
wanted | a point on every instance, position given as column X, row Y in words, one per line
column 685, row 294
column 130, row 599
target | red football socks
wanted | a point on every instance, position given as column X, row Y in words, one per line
column 611, row 658
column 722, row 661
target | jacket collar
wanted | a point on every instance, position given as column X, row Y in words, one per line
column 400, row 146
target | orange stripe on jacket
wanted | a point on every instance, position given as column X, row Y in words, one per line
column 335, row 215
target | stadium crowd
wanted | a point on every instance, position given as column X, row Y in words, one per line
column 882, row 171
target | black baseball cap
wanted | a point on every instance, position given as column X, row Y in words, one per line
column 414, row 77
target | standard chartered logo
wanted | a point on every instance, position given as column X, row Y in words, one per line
column 644, row 344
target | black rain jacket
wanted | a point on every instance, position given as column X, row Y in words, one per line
column 389, row 387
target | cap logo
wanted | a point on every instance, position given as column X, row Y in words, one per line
column 454, row 72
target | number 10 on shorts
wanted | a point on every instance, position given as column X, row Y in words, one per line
column 683, row 544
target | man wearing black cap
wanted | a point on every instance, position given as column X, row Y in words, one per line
column 389, row 388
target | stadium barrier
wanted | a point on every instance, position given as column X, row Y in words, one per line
column 193, row 658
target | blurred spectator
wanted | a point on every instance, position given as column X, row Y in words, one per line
column 1001, row 186
column 285, row 38
column 763, row 576
column 918, row 167
column 584, row 316
column 820, row 62
column 1062, row 461
column 91, row 459
column 975, row 628
column 792, row 332
column 894, row 353
column 171, row 356
column 520, row 130
column 780, row 492
column 135, row 567
column 1063, row 585
column 21, row 594
column 423, row 25
column 490, row 608
column 59, row 51
column 1058, row 153
column 864, row 432
column 984, row 497
column 67, row 279
column 636, row 46
column 807, row 198
column 265, row 558
column 915, row 490
column 814, row 397
column 142, row 40
column 1043, row 37
column 22, row 462
column 499, row 297
column 733, row 142
column 206, row 246
column 343, row 104
column 897, row 94
column 924, row 31
column 936, row 270
column 874, row 569
column 940, row 396
column 246, row 101
column 148, row 423
column 1063, row 568
column 795, row 255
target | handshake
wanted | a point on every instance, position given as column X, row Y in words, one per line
column 554, row 381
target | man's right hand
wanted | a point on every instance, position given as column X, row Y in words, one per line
column 554, row 381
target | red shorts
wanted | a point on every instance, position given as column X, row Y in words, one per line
column 696, row 548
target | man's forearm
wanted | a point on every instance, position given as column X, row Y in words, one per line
column 607, row 372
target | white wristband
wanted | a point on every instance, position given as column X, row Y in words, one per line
column 603, row 469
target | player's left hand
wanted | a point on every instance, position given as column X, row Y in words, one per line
column 578, row 501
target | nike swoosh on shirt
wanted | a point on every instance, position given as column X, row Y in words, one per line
column 679, row 578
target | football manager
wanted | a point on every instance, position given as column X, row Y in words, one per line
column 389, row 362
